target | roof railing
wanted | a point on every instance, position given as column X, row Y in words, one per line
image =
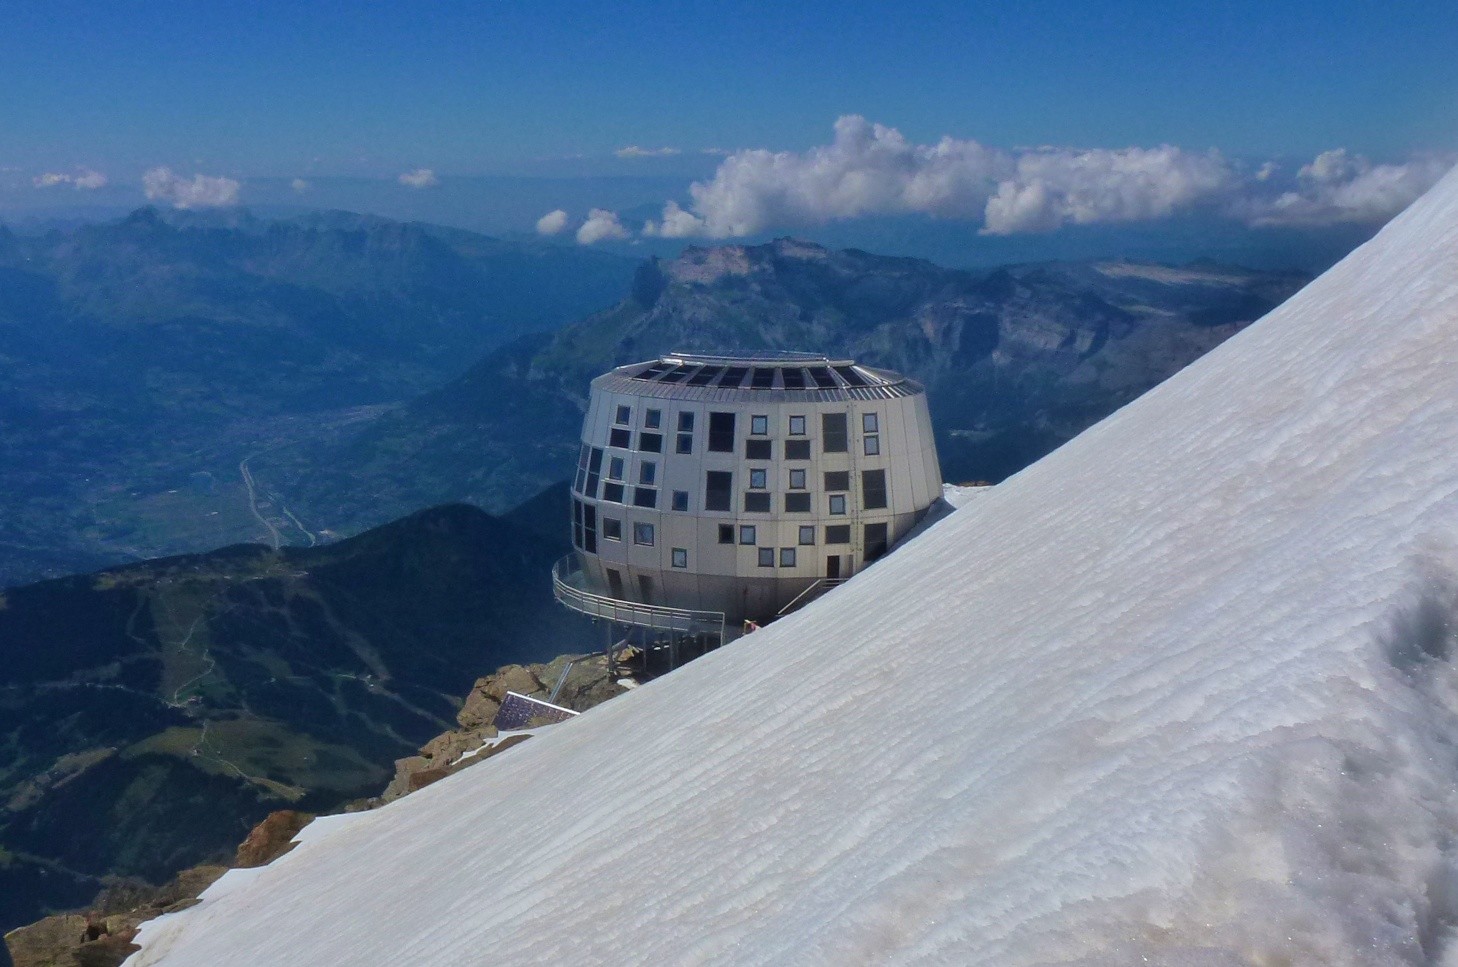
column 571, row 594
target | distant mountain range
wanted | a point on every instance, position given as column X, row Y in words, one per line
column 151, row 714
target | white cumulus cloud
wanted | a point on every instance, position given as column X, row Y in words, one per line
column 1341, row 187
column 600, row 224
column 199, row 191
column 419, row 178
column 634, row 151
column 84, row 179
column 552, row 223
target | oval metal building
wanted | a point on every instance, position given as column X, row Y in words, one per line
column 740, row 485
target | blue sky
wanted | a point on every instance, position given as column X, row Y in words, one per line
column 331, row 90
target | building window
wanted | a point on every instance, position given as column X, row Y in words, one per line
column 797, row 503
column 613, row 492
column 766, row 557
column 797, row 449
column 685, row 443
column 787, row 557
column 726, row 533
column 718, row 489
column 875, row 541
column 721, row 432
column 837, row 534
column 648, row 473
column 643, row 534
column 650, row 442
column 653, row 419
column 873, row 489
column 758, row 478
column 645, row 497
column 686, row 422
column 797, row 479
column 869, row 423
column 645, row 588
column 625, row 416
column 615, row 583
column 835, row 437
column 680, row 557
column 759, row 425
column 746, row 533
column 620, row 438
column 873, row 446
column 837, row 504
column 797, row 425
column 756, row 502
column 615, row 468
column 680, row 500
column 758, row 450
column 807, row 534
column 612, row 529
column 837, row 480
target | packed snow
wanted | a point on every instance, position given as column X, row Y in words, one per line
column 1181, row 693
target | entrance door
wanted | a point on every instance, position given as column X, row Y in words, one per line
column 832, row 567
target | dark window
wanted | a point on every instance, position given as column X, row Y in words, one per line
column 797, row 479
column 577, row 523
column 797, row 425
column 680, row 500
column 620, row 438
column 589, row 528
column 756, row 502
column 652, row 419
column 726, row 533
column 625, row 415
column 612, row 529
column 613, row 492
column 685, row 443
column 822, row 377
column 650, row 442
column 794, row 377
column 721, row 432
column 797, row 449
column 875, row 541
column 680, row 557
column 758, row 478
column 837, row 534
column 807, row 534
column 645, row 588
column 837, row 504
column 766, row 557
column 758, row 449
column 797, row 503
column 648, row 473
column 837, row 480
column 762, row 378
column 615, row 583
column 746, row 533
column 869, row 423
column 833, row 431
column 645, row 497
column 615, row 468
column 787, row 557
column 686, row 422
column 718, row 490
column 594, row 471
column 759, row 425
column 873, row 446
column 643, row 534
column 873, row 489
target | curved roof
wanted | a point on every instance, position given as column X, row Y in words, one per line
column 761, row 375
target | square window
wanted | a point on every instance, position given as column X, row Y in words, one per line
column 757, row 502
column 837, row 534
column 613, row 492
column 645, row 497
column 653, row 419
column 797, row 425
column 787, row 557
column 873, row 446
column 766, row 557
column 686, row 422
column 650, row 442
column 797, row 449
column 759, row 425
column 837, row 480
column 807, row 534
column 612, row 529
column 869, row 423
column 622, row 439
column 746, row 533
column 647, row 473
column 758, row 478
column 685, row 443
column 837, row 504
column 680, row 500
column 726, row 533
column 643, row 534
column 797, row 479
column 625, row 415
column 797, row 503
column 758, row 450
column 680, row 557
column 615, row 468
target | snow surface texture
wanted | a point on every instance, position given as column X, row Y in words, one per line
column 1181, row 693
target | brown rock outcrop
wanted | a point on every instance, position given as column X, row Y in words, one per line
column 271, row 838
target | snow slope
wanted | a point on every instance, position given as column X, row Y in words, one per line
column 1182, row 691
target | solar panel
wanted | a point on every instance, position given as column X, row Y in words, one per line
column 676, row 374
column 849, row 374
column 733, row 376
column 705, row 375
column 822, row 377
column 794, row 377
column 519, row 711
column 763, row 378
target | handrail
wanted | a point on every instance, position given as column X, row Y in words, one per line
column 825, row 583
column 625, row 612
